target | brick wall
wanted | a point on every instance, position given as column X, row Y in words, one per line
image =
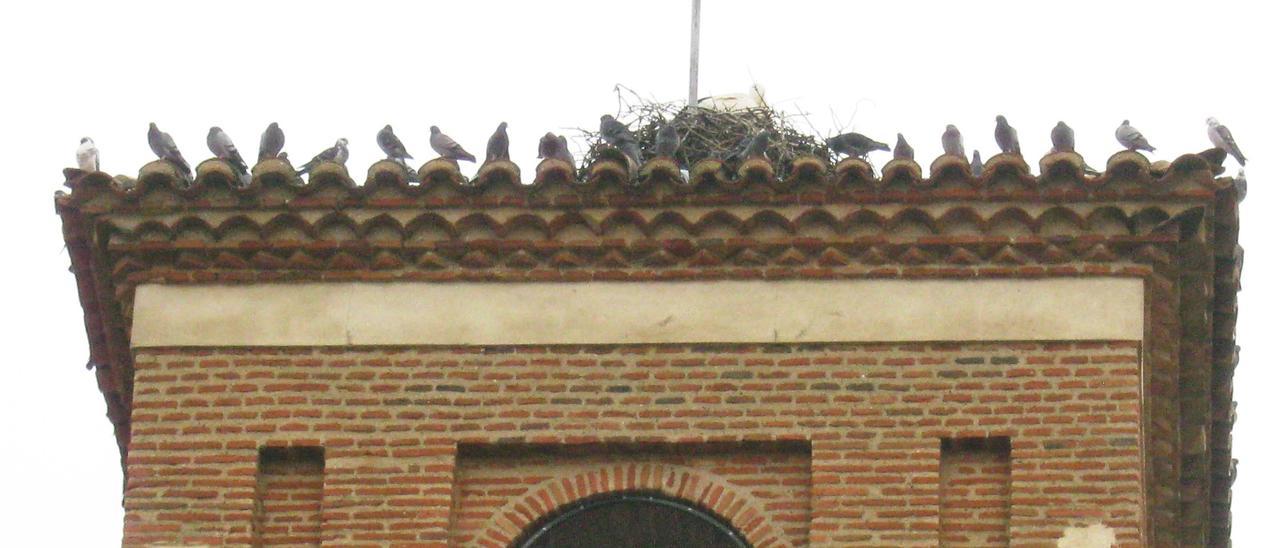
column 391, row 422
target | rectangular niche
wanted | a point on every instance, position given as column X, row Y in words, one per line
column 290, row 493
column 974, row 492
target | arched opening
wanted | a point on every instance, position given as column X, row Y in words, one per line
column 637, row 519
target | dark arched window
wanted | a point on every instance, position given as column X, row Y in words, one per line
column 631, row 520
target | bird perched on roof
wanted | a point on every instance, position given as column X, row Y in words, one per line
column 499, row 145
column 447, row 148
column 1007, row 137
column 667, row 142
column 1063, row 138
column 617, row 135
column 164, row 148
column 975, row 166
column 902, row 150
column 855, row 144
column 391, row 145
column 1221, row 138
column 953, row 142
column 336, row 153
column 1132, row 139
column 553, row 146
column 755, row 146
column 87, row 155
column 271, row 143
column 223, row 149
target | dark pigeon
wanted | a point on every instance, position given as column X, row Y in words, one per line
column 447, row 148
column 551, row 146
column 667, row 141
column 164, row 148
column 975, row 166
column 1063, row 138
column 336, row 153
column 222, row 148
column 902, row 150
column 953, row 142
column 1007, row 137
column 756, row 146
column 499, row 145
column 391, row 145
column 1132, row 139
column 1221, row 138
column 855, row 144
column 617, row 135
column 271, row 143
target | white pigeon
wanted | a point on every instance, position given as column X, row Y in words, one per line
column 1221, row 138
column 87, row 155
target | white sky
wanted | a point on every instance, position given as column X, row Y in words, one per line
column 328, row 69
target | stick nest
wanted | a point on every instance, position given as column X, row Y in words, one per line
column 709, row 133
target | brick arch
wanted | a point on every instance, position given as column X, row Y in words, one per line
column 729, row 502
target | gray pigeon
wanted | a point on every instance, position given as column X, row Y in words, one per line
column 952, row 142
column 391, row 145
column 1221, row 138
column 1063, row 138
column 499, row 145
column 617, row 135
column 447, row 148
column 271, row 143
column 975, row 166
column 902, row 150
column 756, row 146
column 551, row 146
column 1007, row 137
column 222, row 148
column 855, row 145
column 667, row 141
column 564, row 150
column 336, row 153
column 87, row 155
column 164, row 148
column 1132, row 139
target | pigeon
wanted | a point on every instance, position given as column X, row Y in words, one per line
column 447, row 148
column 1007, row 137
column 391, row 145
column 667, row 141
column 616, row 134
column 498, row 147
column 902, row 150
column 953, row 142
column 87, row 155
column 271, row 143
column 164, row 148
column 756, row 146
column 1221, row 138
column 551, row 146
column 564, row 149
column 1132, row 139
column 855, row 144
column 336, row 153
column 1063, row 138
column 976, row 165
column 222, row 148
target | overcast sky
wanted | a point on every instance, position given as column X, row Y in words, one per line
column 325, row 70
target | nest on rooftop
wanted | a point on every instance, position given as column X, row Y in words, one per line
column 710, row 134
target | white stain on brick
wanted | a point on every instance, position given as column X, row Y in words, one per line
column 1093, row 536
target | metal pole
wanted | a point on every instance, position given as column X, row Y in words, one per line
column 694, row 28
